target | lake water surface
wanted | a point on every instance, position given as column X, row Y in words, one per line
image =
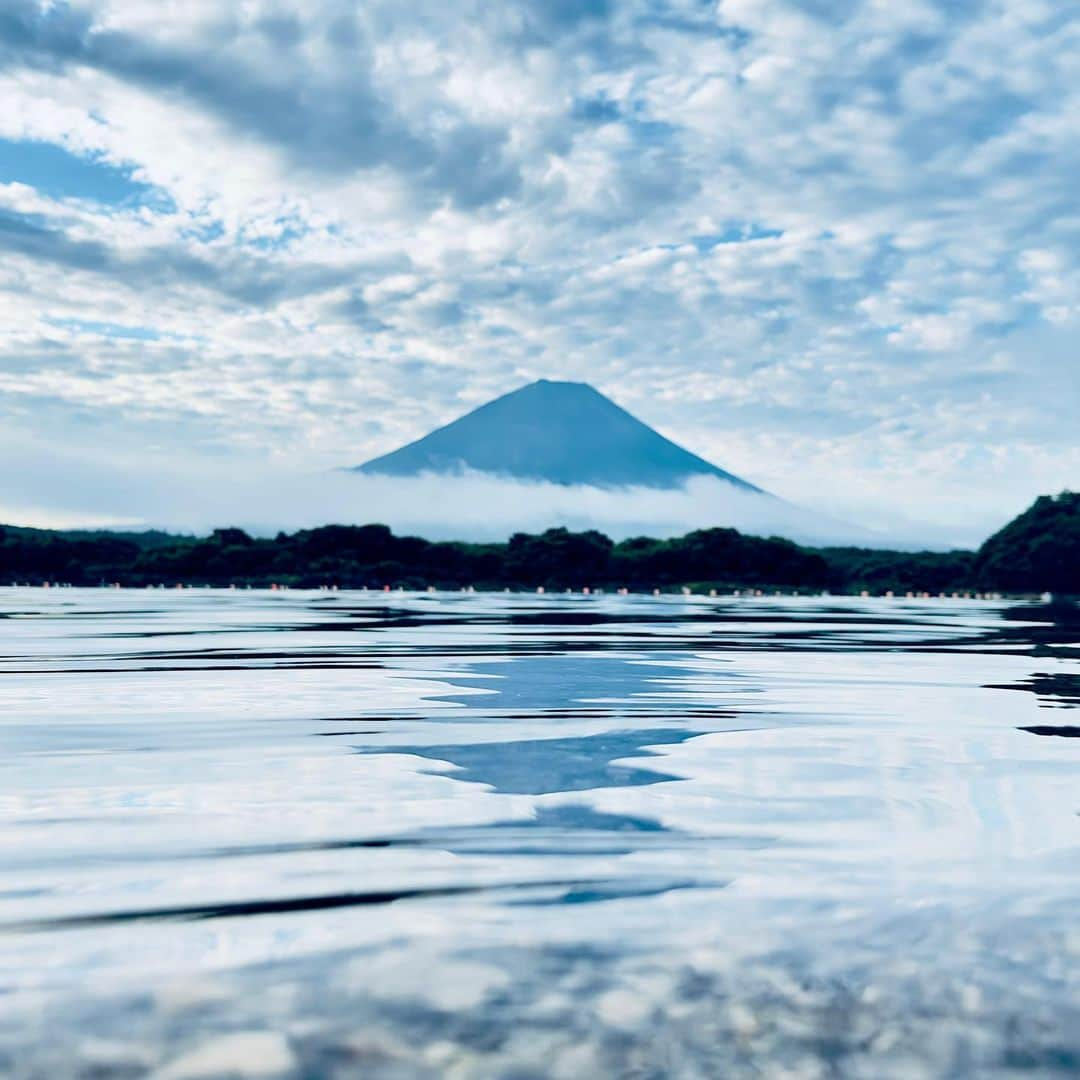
column 301, row 834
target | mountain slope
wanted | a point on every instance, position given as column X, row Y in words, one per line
column 561, row 432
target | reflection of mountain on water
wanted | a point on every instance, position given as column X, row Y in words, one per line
column 619, row 690
column 565, row 682
column 542, row 766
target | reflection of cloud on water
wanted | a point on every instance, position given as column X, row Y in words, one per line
column 893, row 764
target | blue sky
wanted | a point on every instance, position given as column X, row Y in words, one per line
column 832, row 245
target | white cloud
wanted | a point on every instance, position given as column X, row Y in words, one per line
column 195, row 497
column 803, row 238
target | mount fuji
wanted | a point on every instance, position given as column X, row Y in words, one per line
column 559, row 432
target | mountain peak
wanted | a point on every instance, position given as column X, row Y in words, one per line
column 555, row 431
column 556, row 387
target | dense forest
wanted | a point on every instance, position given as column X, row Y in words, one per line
column 1040, row 550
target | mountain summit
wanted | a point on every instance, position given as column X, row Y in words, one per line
column 561, row 432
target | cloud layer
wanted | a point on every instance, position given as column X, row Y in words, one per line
column 475, row 506
column 830, row 244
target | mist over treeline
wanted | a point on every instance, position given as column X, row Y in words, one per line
column 1037, row 551
column 189, row 499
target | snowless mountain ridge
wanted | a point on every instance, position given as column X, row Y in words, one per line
column 561, row 432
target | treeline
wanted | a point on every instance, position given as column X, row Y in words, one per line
column 371, row 555
column 1038, row 551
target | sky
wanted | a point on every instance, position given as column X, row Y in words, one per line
column 831, row 245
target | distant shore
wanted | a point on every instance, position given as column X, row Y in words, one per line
column 1037, row 553
column 686, row 592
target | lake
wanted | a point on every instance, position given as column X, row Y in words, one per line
column 314, row 834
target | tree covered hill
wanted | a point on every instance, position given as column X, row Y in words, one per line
column 1038, row 551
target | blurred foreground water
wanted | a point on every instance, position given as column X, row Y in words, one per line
column 332, row 835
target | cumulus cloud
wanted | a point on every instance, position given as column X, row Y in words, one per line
column 812, row 240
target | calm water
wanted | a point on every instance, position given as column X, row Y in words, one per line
column 336, row 835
